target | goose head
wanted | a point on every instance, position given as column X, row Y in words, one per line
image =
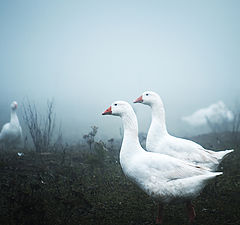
column 148, row 98
column 118, row 108
column 14, row 105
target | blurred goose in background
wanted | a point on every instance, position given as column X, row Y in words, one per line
column 164, row 178
column 160, row 141
column 11, row 133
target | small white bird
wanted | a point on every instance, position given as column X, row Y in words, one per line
column 160, row 141
column 164, row 178
column 11, row 134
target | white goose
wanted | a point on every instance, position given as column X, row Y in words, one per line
column 160, row 141
column 11, row 134
column 163, row 177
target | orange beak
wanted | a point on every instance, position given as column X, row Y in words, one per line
column 138, row 100
column 107, row 111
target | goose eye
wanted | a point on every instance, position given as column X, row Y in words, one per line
column 146, row 94
column 115, row 104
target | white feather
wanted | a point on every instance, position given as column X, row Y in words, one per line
column 161, row 176
column 160, row 141
column 11, row 133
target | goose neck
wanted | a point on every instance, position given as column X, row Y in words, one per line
column 130, row 145
column 158, row 118
column 14, row 118
column 130, row 127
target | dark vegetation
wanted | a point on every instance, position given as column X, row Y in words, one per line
column 78, row 186
column 59, row 184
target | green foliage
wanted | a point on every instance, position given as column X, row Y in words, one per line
column 96, row 159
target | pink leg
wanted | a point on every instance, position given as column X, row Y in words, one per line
column 191, row 211
column 160, row 212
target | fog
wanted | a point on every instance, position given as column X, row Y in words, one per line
column 87, row 54
column 216, row 113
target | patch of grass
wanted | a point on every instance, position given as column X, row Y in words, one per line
column 81, row 187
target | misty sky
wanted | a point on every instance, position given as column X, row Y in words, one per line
column 87, row 54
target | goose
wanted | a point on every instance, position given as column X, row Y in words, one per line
column 11, row 133
column 160, row 141
column 164, row 178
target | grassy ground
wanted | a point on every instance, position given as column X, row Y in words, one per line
column 78, row 187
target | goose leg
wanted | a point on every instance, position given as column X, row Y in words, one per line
column 191, row 211
column 160, row 212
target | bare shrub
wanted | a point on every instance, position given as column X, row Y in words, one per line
column 89, row 138
column 40, row 127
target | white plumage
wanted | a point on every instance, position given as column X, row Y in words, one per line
column 163, row 177
column 160, row 141
column 11, row 133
